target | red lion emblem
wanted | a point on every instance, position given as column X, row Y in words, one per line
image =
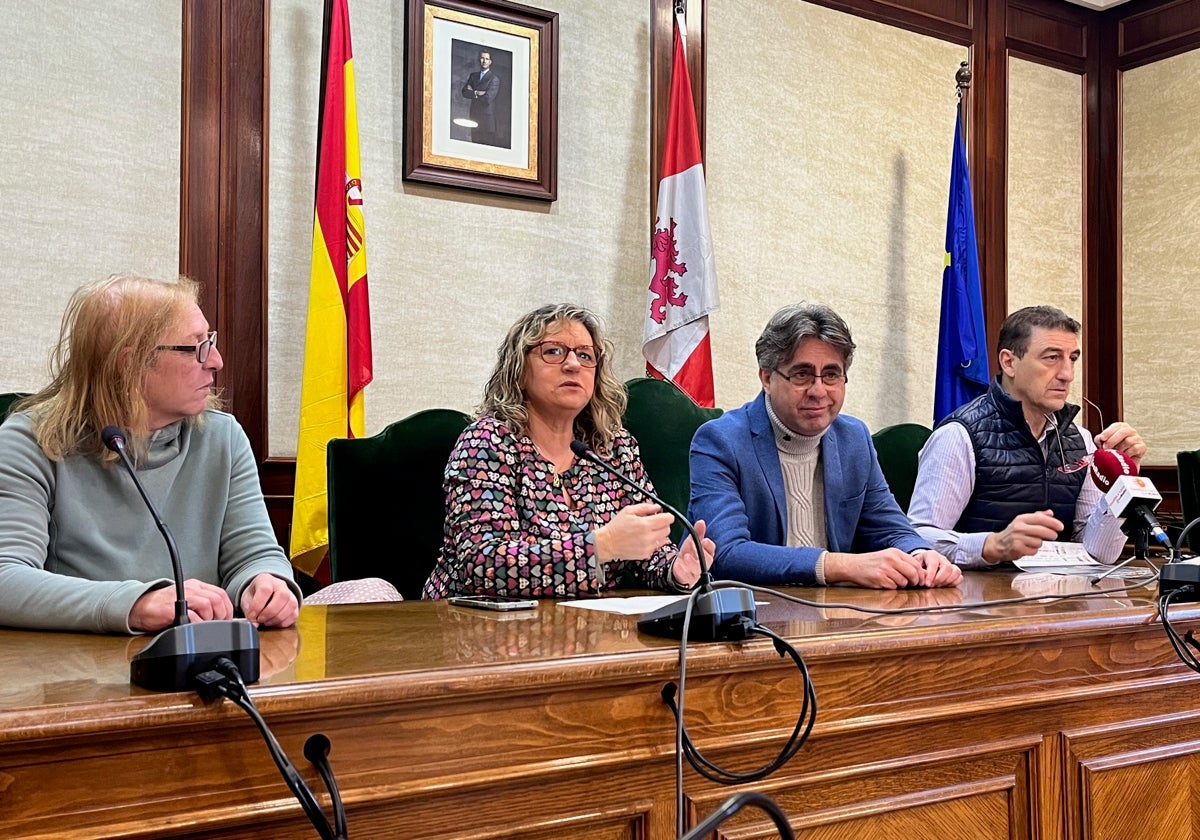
column 664, row 253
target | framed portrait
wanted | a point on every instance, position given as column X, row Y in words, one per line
column 481, row 97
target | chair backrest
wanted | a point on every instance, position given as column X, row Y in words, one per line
column 1188, row 464
column 7, row 401
column 663, row 419
column 897, row 447
column 386, row 505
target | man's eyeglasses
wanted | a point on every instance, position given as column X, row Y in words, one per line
column 1084, row 462
column 201, row 348
column 555, row 353
column 806, row 378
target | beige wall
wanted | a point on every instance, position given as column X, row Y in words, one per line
column 1160, row 130
column 829, row 146
column 89, row 160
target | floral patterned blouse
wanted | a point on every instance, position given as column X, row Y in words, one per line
column 511, row 531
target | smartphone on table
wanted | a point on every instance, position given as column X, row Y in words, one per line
column 500, row 603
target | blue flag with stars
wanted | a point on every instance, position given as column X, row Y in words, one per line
column 962, row 358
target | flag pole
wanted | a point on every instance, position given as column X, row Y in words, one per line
column 962, row 86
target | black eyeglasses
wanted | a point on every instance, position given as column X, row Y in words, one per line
column 555, row 353
column 201, row 348
column 805, row 378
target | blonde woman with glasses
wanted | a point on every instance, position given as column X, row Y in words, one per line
column 78, row 548
column 524, row 516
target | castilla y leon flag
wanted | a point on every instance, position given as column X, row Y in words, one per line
column 962, row 358
column 337, row 342
column 683, row 277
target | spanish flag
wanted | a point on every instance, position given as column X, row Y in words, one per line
column 337, row 343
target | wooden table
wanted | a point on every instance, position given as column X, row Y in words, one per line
column 1061, row 719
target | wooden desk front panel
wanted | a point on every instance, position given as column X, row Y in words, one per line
column 1024, row 722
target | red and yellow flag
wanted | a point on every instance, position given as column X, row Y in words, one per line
column 337, row 343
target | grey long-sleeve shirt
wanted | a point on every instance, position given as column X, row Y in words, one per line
column 78, row 546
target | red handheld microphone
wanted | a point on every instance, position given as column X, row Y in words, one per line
column 1128, row 493
column 1108, row 465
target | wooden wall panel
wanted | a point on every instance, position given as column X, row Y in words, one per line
column 1058, row 32
column 1157, row 32
column 1137, row 781
column 953, row 20
column 223, row 192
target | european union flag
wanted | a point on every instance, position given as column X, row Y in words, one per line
column 962, row 359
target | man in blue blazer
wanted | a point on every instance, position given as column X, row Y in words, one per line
column 791, row 490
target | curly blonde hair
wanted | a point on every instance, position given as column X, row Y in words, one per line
column 107, row 343
column 504, row 398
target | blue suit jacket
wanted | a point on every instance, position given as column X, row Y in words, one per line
column 737, row 489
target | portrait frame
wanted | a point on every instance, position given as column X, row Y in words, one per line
column 491, row 128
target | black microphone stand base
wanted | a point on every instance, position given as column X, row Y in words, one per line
column 173, row 658
column 719, row 615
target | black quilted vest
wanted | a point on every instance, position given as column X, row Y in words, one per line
column 1011, row 474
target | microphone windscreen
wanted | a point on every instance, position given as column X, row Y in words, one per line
column 1108, row 465
column 579, row 448
column 113, row 437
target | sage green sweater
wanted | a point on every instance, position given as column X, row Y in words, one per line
column 78, row 546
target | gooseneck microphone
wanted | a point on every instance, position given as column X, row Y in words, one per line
column 718, row 615
column 114, row 440
column 173, row 658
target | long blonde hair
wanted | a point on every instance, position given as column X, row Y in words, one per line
column 504, row 399
column 107, row 343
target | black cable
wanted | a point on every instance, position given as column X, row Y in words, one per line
column 1181, row 645
column 734, row 804
column 234, row 688
column 679, row 729
column 316, row 750
column 1182, row 534
column 932, row 608
column 685, row 747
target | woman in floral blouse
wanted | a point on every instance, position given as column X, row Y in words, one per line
column 523, row 515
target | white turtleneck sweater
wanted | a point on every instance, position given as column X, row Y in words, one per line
column 804, row 486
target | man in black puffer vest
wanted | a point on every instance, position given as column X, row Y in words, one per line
column 990, row 483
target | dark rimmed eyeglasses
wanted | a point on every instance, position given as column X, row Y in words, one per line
column 555, row 353
column 201, row 348
column 805, row 378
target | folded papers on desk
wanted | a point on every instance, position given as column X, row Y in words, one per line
column 1071, row 558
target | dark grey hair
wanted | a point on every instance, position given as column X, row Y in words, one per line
column 790, row 325
column 1018, row 327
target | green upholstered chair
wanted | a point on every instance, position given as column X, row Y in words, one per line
column 386, row 505
column 1188, row 465
column 7, row 401
column 897, row 447
column 663, row 419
